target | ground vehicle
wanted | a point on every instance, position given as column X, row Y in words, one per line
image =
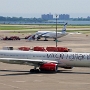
column 11, row 38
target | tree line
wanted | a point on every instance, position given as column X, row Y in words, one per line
column 20, row 19
column 35, row 20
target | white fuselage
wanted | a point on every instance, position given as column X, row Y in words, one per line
column 51, row 34
column 63, row 58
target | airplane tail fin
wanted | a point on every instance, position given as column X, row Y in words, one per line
column 64, row 28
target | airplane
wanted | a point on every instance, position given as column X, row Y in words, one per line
column 45, row 61
column 48, row 34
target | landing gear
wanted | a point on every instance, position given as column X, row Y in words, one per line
column 34, row 70
column 38, row 38
column 45, row 39
column 54, row 39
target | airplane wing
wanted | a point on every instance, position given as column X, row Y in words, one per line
column 26, row 61
column 43, row 34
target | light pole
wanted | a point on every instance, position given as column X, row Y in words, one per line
column 56, row 30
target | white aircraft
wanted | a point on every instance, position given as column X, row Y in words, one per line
column 48, row 34
column 46, row 61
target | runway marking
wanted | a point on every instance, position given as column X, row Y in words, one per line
column 12, row 86
column 37, row 80
column 73, row 83
column 19, row 81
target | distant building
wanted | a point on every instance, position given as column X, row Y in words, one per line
column 88, row 17
column 64, row 16
column 47, row 16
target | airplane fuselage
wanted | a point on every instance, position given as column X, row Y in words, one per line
column 51, row 34
column 63, row 58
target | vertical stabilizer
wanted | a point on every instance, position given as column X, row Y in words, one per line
column 64, row 28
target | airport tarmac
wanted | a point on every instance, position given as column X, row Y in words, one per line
column 17, row 77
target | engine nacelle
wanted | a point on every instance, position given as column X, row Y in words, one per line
column 48, row 67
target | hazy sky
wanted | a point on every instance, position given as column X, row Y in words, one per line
column 34, row 8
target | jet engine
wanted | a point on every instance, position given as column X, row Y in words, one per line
column 49, row 67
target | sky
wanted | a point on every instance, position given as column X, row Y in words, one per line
column 34, row 8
